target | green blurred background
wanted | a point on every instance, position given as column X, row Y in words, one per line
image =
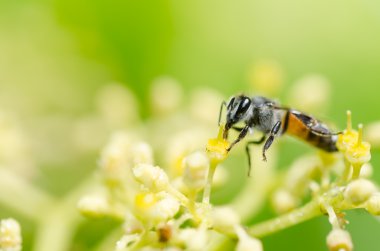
column 55, row 55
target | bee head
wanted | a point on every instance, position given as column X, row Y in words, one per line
column 237, row 110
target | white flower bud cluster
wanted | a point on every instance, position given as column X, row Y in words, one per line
column 10, row 235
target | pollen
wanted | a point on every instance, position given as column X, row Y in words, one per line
column 145, row 200
column 359, row 152
column 349, row 137
column 217, row 148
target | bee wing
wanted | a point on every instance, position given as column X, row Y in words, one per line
column 314, row 124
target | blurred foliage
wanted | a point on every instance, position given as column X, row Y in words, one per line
column 55, row 55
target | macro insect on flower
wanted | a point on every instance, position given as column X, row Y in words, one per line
column 268, row 117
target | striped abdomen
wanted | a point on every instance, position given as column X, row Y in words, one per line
column 310, row 130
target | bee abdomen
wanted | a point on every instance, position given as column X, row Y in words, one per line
column 324, row 142
column 318, row 135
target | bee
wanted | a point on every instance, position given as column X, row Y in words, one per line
column 273, row 120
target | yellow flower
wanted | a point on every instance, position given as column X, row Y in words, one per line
column 348, row 138
column 217, row 148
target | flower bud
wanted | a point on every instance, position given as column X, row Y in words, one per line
column 117, row 105
column 156, row 207
column 359, row 191
column 339, row 240
column 266, row 77
column 373, row 134
column 93, row 206
column 166, row 95
column 10, row 235
column 224, row 219
column 142, row 153
column 246, row 242
column 311, row 93
column 205, row 105
column 114, row 162
column 373, row 204
column 152, row 177
column 366, row 171
column 196, row 166
column 166, row 207
column 283, row 201
column 194, row 239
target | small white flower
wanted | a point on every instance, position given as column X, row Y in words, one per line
column 311, row 93
column 194, row 239
column 372, row 134
column 125, row 241
column 93, row 206
column 224, row 219
column 283, row 201
column 166, row 95
column 10, row 235
column 117, row 105
column 142, row 153
column 373, row 204
column 196, row 166
column 114, row 161
column 246, row 242
column 366, row 171
column 152, row 177
column 166, row 207
column 156, row 207
column 266, row 77
column 339, row 240
column 358, row 191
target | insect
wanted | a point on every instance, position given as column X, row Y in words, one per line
column 267, row 116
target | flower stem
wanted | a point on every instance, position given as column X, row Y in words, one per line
column 210, row 176
column 308, row 211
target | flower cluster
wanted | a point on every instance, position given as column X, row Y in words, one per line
column 159, row 212
column 10, row 235
column 168, row 206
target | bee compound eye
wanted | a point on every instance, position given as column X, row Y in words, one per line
column 244, row 105
column 229, row 106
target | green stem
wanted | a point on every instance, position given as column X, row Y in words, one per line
column 346, row 173
column 356, row 171
column 308, row 211
column 58, row 221
column 22, row 196
column 210, row 176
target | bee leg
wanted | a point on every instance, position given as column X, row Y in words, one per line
column 221, row 110
column 247, row 150
column 242, row 134
column 273, row 132
column 238, row 129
